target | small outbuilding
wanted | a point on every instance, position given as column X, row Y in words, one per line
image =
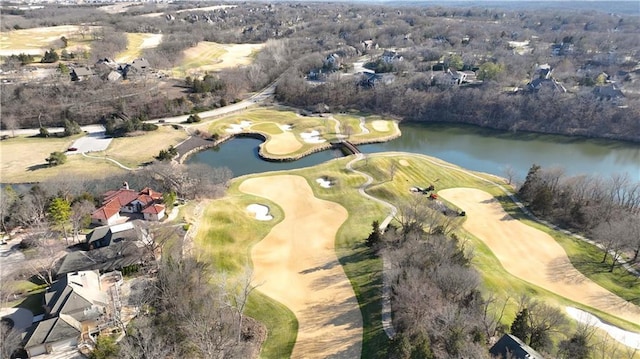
column 511, row 347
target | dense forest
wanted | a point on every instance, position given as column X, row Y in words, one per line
column 561, row 71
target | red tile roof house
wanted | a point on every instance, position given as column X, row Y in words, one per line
column 124, row 200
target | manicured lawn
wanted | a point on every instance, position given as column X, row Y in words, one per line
column 134, row 47
column 205, row 53
column 270, row 122
column 136, row 150
column 230, row 235
column 23, row 158
column 44, row 37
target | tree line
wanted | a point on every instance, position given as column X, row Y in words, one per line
column 605, row 209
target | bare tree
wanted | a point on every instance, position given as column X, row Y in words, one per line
column 43, row 259
column 80, row 212
column 143, row 342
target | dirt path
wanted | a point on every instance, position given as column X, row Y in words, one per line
column 297, row 264
column 533, row 255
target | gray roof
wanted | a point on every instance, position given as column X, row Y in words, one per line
column 76, row 294
column 113, row 257
column 53, row 330
column 82, row 71
column 107, row 235
column 512, row 345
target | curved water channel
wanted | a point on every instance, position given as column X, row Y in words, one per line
column 469, row 147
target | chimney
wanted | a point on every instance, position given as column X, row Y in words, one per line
column 125, row 185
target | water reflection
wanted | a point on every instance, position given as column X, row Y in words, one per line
column 470, row 147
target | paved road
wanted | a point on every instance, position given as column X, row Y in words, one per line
column 93, row 129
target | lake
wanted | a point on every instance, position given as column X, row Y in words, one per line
column 466, row 146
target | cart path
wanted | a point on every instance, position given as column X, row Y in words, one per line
column 296, row 264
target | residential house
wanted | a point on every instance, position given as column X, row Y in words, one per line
column 115, row 256
column 107, row 235
column 75, row 306
column 332, row 61
column 125, row 200
column 136, row 68
column 390, row 57
column 80, row 73
column 511, row 347
column 113, row 76
column 540, row 83
column 561, row 49
column 542, row 72
column 609, row 92
column 454, row 77
column 369, row 79
column 368, row 45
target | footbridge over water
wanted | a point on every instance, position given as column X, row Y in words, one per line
column 346, row 147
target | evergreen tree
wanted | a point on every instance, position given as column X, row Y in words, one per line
column 56, row 158
column 59, row 212
column 376, row 235
column 576, row 347
column 71, row 128
column 50, row 56
column 530, row 184
column 520, row 326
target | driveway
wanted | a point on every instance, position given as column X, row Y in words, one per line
column 92, row 142
column 22, row 318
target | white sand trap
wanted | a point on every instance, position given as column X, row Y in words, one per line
column 261, row 212
column 324, row 183
column 380, row 125
column 312, row 137
column 627, row 338
column 533, row 255
column 285, row 127
column 236, row 128
column 297, row 264
column 403, row 163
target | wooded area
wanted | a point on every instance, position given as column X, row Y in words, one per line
column 587, row 53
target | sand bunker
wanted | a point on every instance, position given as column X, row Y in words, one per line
column 285, row 127
column 533, row 255
column 627, row 338
column 324, row 183
column 261, row 212
column 282, row 144
column 236, row 128
column 297, row 263
column 403, row 163
column 380, row 125
column 312, row 137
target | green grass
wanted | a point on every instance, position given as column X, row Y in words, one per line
column 225, row 237
column 205, row 53
column 282, row 326
column 268, row 121
column 230, row 237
